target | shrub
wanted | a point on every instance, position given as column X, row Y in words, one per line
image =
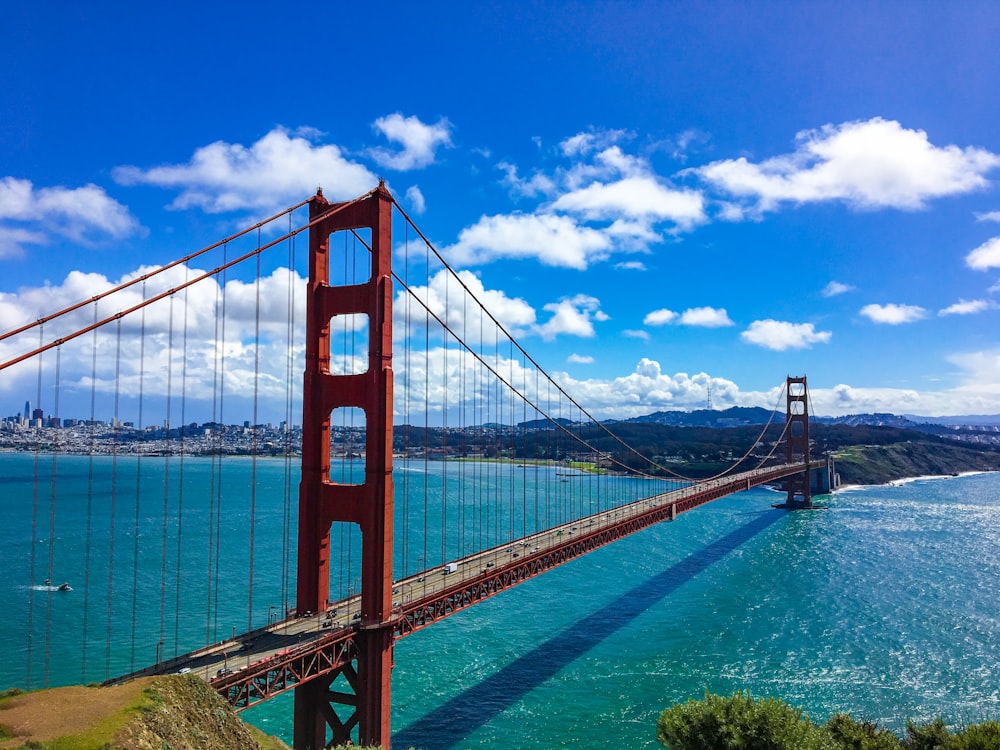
column 860, row 735
column 740, row 721
column 931, row 736
column 985, row 736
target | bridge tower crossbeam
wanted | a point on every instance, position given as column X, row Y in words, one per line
column 322, row 501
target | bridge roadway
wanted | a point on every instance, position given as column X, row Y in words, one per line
column 260, row 664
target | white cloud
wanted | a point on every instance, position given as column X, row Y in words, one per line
column 647, row 389
column 14, row 239
column 988, row 216
column 985, row 256
column 539, row 184
column 551, row 240
column 281, row 168
column 419, row 141
column 659, row 317
column 968, row 307
column 573, row 316
column 30, row 216
column 631, row 265
column 705, row 317
column 446, row 298
column 995, row 288
column 779, row 335
column 834, row 288
column 893, row 314
column 415, row 199
column 631, row 333
column 868, row 164
column 580, row 359
column 636, row 197
column 595, row 140
column 147, row 349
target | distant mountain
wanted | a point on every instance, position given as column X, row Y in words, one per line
column 543, row 424
column 871, row 420
column 969, row 420
column 735, row 416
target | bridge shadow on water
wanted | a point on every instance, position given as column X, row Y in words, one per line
column 465, row 713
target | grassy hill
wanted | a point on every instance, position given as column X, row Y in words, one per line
column 176, row 712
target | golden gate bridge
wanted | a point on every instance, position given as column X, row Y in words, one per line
column 514, row 476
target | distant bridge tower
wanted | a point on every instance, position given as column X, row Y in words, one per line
column 370, row 505
column 797, row 442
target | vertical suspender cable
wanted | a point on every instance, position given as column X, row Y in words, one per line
column 253, row 437
column 34, row 523
column 216, row 566
column 180, row 473
column 114, row 496
column 52, row 508
column 444, row 426
column 407, row 334
column 166, row 482
column 91, row 449
column 138, row 482
column 286, row 516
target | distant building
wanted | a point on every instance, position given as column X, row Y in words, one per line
column 27, row 410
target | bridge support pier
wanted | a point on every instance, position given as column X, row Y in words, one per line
column 322, row 501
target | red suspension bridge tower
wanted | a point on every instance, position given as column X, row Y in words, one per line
column 370, row 504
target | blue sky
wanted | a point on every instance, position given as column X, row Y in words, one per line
column 658, row 197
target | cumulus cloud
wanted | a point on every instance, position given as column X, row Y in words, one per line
column 988, row 216
column 415, row 199
column 580, row 359
column 537, row 184
column 985, row 256
column 86, row 215
column 702, row 317
column 456, row 303
column 659, row 317
column 419, row 141
column 220, row 352
column 631, row 265
column 573, row 316
column 640, row 198
column 834, row 288
column 631, row 333
column 551, row 240
column 647, row 389
column 595, row 140
column 893, row 314
column 281, row 168
column 968, row 307
column 705, row 317
column 868, row 164
column 779, row 335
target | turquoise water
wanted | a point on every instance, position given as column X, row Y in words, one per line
column 886, row 605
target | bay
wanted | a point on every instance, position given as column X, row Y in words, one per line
column 884, row 605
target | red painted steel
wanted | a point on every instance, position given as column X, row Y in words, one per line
column 797, row 442
column 370, row 505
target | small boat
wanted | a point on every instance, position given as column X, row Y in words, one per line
column 65, row 587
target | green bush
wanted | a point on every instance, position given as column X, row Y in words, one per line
column 738, row 722
column 985, row 736
column 850, row 734
column 933, row 736
column 742, row 722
